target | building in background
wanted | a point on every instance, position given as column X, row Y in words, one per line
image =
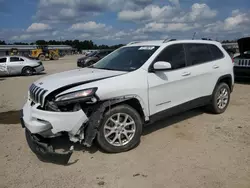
column 25, row 49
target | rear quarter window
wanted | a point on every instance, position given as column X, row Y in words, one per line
column 216, row 52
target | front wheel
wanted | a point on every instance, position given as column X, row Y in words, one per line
column 120, row 129
column 27, row 71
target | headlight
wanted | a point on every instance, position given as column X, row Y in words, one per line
column 77, row 95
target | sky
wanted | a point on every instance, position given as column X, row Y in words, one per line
column 121, row 21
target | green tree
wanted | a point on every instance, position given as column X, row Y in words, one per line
column 2, row 42
column 41, row 42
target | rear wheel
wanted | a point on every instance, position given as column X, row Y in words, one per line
column 120, row 129
column 220, row 99
column 41, row 57
column 27, row 71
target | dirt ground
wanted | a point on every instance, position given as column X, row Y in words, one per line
column 191, row 150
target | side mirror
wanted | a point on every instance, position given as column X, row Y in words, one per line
column 162, row 65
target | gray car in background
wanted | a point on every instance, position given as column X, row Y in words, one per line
column 92, row 58
column 19, row 65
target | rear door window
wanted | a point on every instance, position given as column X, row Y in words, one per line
column 198, row 53
column 14, row 59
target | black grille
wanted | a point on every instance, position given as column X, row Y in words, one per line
column 37, row 94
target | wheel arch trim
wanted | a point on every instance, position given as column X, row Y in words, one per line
column 95, row 118
column 226, row 76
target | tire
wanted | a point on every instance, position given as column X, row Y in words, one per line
column 27, row 71
column 133, row 137
column 214, row 107
column 55, row 57
column 41, row 57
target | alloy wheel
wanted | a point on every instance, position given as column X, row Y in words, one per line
column 222, row 98
column 119, row 129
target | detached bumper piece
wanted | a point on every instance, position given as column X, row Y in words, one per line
column 45, row 151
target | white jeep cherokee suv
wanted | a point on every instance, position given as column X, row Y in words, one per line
column 111, row 100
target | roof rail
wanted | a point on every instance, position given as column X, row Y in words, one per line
column 168, row 40
column 133, row 42
column 205, row 39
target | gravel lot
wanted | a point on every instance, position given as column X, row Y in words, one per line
column 191, row 150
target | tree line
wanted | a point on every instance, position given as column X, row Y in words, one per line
column 77, row 44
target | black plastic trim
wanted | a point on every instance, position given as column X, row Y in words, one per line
column 202, row 101
column 223, row 77
column 45, row 151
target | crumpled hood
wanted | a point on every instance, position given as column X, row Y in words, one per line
column 82, row 75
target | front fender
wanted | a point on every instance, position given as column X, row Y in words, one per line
column 132, row 96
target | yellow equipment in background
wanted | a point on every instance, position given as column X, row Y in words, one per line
column 14, row 51
column 42, row 53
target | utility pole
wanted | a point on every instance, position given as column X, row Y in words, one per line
column 194, row 35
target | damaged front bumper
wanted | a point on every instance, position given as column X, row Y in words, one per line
column 41, row 126
column 45, row 151
column 38, row 121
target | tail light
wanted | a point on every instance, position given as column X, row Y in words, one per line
column 232, row 59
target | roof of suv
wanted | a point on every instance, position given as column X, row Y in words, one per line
column 163, row 42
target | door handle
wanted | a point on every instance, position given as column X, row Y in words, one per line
column 186, row 73
column 215, row 66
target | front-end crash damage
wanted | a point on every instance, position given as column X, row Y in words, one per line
column 93, row 109
column 43, row 148
column 78, row 119
column 59, row 105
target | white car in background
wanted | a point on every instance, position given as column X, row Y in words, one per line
column 19, row 65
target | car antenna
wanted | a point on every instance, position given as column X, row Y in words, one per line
column 194, row 35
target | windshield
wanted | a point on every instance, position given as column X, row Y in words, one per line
column 126, row 59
